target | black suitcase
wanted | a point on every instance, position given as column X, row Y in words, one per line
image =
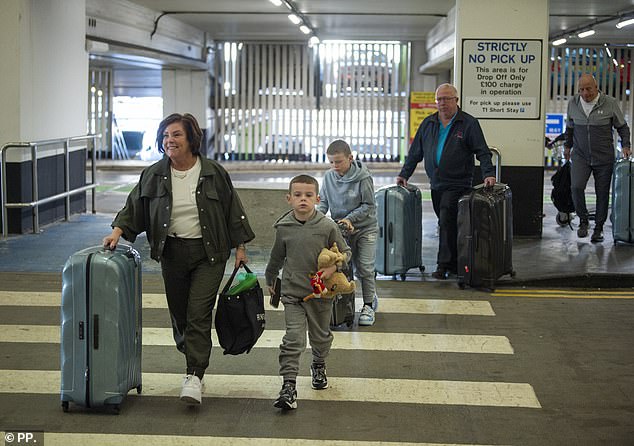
column 100, row 327
column 400, row 238
column 343, row 305
column 485, row 236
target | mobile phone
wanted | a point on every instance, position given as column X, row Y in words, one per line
column 277, row 291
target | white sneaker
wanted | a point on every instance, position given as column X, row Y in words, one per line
column 366, row 318
column 191, row 393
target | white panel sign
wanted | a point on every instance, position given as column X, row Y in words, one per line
column 501, row 78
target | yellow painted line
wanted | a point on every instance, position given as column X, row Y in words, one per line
column 372, row 390
column 564, row 294
column 343, row 340
column 82, row 439
column 386, row 305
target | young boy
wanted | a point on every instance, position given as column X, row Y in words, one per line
column 300, row 235
column 348, row 191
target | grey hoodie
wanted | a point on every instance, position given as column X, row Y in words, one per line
column 349, row 196
column 296, row 248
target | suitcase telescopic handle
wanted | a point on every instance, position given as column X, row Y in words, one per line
column 498, row 161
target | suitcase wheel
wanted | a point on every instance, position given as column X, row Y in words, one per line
column 65, row 406
column 422, row 268
column 403, row 277
column 139, row 388
column 563, row 218
column 116, row 409
column 461, row 285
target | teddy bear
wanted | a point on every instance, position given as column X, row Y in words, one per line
column 338, row 283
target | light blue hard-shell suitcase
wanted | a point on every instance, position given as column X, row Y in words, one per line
column 101, row 327
column 400, row 238
column 622, row 215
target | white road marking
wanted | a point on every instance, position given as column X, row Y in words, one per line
column 373, row 390
column 386, row 305
column 343, row 340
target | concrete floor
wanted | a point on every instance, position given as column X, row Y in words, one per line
column 540, row 361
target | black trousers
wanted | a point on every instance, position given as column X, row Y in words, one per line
column 191, row 285
column 445, row 204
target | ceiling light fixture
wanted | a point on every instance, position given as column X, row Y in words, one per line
column 622, row 19
column 293, row 18
column 587, row 33
column 559, row 42
column 625, row 23
column 297, row 17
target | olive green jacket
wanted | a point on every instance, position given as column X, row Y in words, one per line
column 223, row 222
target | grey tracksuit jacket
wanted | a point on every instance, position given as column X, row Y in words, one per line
column 296, row 249
column 591, row 136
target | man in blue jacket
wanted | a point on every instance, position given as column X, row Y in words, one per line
column 447, row 141
column 591, row 116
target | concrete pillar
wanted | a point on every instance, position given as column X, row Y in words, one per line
column 187, row 91
column 44, row 69
column 500, row 64
column 43, row 96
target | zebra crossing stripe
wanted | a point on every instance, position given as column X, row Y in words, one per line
column 386, row 305
column 370, row 390
column 352, row 340
column 82, row 439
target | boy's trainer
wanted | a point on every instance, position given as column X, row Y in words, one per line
column 288, row 397
column 319, row 379
column 191, row 392
column 366, row 318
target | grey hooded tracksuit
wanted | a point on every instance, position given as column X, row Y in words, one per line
column 296, row 248
column 351, row 196
column 592, row 142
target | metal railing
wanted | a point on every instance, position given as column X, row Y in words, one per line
column 36, row 201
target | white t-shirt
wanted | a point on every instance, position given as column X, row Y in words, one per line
column 588, row 106
column 184, row 221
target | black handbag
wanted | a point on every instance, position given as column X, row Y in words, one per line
column 240, row 318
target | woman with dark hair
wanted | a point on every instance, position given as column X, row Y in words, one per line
column 193, row 217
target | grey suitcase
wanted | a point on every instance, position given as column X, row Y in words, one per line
column 343, row 305
column 400, row 238
column 101, row 327
column 622, row 215
column 485, row 236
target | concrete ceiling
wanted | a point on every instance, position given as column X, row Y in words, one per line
column 248, row 20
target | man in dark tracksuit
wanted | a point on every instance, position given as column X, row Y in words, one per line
column 447, row 141
column 591, row 116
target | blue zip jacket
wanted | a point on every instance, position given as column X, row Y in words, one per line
column 456, row 166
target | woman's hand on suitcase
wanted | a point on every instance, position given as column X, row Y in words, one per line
column 110, row 241
column 489, row 182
